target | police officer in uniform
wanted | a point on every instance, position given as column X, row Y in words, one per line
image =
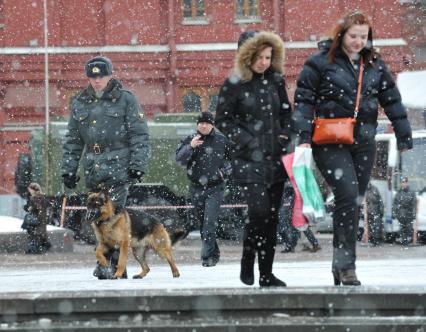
column 106, row 127
column 404, row 209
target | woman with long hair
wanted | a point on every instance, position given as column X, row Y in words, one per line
column 327, row 88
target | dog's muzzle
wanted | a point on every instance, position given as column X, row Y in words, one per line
column 93, row 215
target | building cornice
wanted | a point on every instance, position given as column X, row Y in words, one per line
column 201, row 47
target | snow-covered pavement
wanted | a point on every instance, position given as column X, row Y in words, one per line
column 398, row 274
column 390, row 266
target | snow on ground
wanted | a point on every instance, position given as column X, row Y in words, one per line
column 12, row 225
column 398, row 273
column 379, row 273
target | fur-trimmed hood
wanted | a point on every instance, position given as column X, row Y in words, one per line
column 250, row 46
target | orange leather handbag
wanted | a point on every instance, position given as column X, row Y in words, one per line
column 338, row 130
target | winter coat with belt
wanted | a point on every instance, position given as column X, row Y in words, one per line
column 111, row 130
column 329, row 90
column 253, row 110
column 209, row 164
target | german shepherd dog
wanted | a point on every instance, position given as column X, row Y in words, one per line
column 129, row 228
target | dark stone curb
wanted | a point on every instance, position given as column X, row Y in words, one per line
column 312, row 308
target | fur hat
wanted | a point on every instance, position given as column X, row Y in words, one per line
column 98, row 66
column 249, row 47
column 245, row 36
column 205, row 117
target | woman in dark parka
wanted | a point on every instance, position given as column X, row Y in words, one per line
column 327, row 88
column 254, row 113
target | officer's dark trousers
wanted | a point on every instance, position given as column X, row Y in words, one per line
column 206, row 201
column 406, row 230
column 260, row 231
column 347, row 170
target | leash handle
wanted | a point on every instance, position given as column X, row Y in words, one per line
column 64, row 206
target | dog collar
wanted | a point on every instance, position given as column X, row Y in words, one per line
column 100, row 221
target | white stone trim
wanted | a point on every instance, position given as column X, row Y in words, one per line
column 86, row 49
column 376, row 43
column 206, row 47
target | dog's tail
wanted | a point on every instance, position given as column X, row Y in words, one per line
column 177, row 234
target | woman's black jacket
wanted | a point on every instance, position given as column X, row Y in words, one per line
column 328, row 90
column 252, row 114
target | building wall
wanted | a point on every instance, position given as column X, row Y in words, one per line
column 154, row 52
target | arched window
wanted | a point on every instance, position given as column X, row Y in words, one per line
column 213, row 103
column 191, row 102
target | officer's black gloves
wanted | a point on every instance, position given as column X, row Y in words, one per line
column 283, row 141
column 70, row 180
column 225, row 171
column 135, row 174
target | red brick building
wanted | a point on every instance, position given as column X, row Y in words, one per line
column 174, row 54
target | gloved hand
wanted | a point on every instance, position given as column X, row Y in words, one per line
column 283, row 140
column 225, row 171
column 135, row 174
column 70, row 180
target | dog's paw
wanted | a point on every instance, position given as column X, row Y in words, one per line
column 176, row 274
column 137, row 276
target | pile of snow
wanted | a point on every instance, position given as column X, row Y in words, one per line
column 412, row 87
column 13, row 225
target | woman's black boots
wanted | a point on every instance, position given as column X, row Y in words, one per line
column 345, row 277
column 266, row 255
column 247, row 271
column 271, row 281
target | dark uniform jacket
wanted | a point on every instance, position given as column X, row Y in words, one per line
column 253, row 110
column 329, row 90
column 404, row 205
column 208, row 164
column 111, row 130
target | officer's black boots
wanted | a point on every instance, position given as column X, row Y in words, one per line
column 102, row 273
column 108, row 272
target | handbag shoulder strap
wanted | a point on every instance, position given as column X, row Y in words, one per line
column 358, row 92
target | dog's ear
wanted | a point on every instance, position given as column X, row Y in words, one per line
column 90, row 196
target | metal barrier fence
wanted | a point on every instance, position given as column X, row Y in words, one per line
column 145, row 207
